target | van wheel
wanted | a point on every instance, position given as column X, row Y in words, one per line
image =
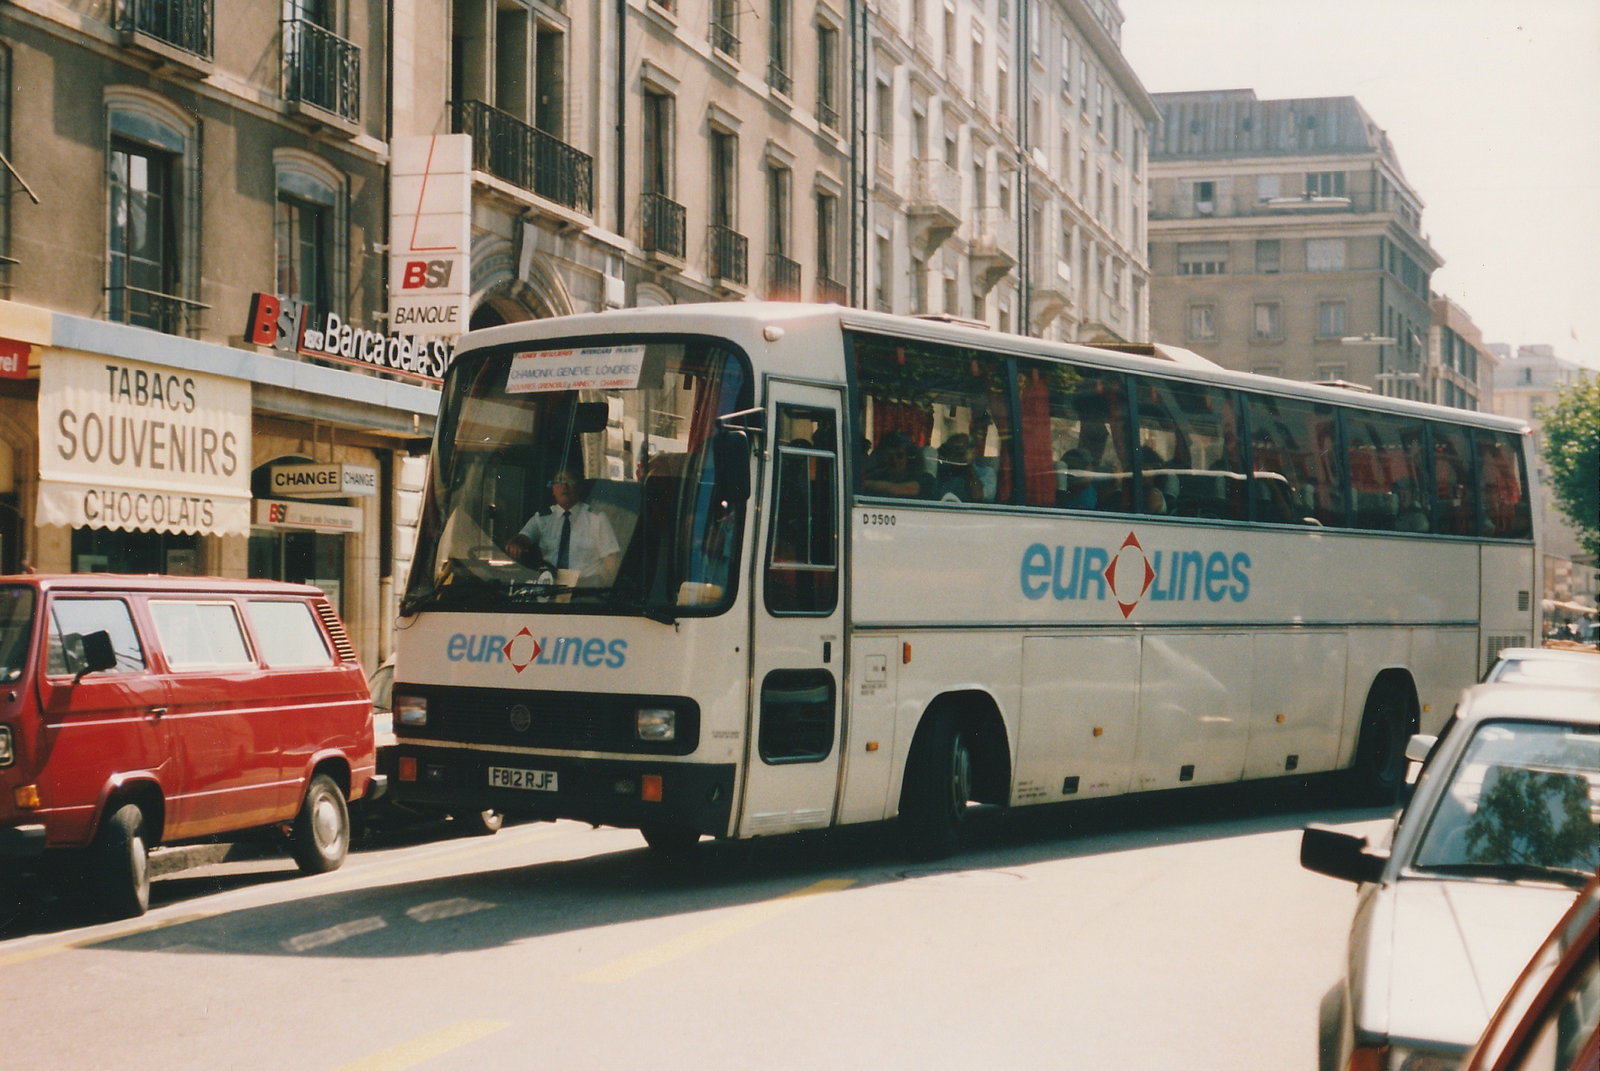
column 122, row 864
column 321, row 835
column 937, row 789
column 484, row 823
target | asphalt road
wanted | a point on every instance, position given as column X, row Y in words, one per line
column 1175, row 934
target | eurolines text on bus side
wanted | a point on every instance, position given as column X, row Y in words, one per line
column 1130, row 574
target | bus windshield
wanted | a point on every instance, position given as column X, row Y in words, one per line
column 580, row 480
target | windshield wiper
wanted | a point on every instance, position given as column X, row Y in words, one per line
column 1512, row 872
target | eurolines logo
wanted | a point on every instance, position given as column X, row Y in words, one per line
column 525, row 649
column 1132, row 574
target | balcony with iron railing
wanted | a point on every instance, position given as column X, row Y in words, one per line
column 515, row 152
column 934, row 204
column 832, row 292
column 664, row 227
column 783, row 278
column 322, row 75
column 724, row 35
column 728, row 254
column 168, row 313
column 992, row 247
column 177, row 33
column 1167, row 207
column 779, row 80
column 827, row 111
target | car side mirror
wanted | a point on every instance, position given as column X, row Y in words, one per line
column 1341, row 855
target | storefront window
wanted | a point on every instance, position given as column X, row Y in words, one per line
column 105, row 550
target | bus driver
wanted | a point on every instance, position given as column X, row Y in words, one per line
column 570, row 536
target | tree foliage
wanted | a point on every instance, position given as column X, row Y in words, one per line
column 1572, row 456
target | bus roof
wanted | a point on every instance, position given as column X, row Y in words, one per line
column 758, row 325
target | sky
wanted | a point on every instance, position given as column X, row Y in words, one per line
column 1492, row 106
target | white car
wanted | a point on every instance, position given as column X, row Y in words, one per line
column 1546, row 664
column 1495, row 844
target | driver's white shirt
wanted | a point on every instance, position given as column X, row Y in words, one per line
column 591, row 542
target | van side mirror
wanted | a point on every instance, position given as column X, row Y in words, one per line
column 731, row 456
column 88, row 652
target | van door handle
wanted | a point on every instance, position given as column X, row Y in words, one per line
column 155, row 714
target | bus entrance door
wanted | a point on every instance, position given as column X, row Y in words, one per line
column 797, row 648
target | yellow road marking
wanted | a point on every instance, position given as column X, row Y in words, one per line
column 100, row 939
column 682, row 945
column 417, row 1050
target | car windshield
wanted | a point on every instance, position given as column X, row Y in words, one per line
column 16, row 627
column 1521, row 803
column 1583, row 669
column 573, row 479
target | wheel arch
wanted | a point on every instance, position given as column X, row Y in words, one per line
column 977, row 713
column 140, row 789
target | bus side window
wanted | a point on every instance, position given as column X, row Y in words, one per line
column 1503, row 486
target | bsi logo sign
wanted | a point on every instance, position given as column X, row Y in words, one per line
column 426, row 274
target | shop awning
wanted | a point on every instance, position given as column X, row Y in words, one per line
column 133, row 446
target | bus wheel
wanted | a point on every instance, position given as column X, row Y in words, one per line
column 1380, row 766
column 484, row 823
column 938, row 786
column 670, row 842
column 122, row 864
column 321, row 834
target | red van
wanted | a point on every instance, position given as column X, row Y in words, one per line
column 138, row 711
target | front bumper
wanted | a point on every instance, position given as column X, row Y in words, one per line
column 609, row 792
column 21, row 842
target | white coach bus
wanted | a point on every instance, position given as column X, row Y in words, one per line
column 837, row 567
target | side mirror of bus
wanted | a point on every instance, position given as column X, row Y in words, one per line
column 731, row 455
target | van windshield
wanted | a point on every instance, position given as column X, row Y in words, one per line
column 16, row 627
column 582, row 479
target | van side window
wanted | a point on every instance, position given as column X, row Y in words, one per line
column 72, row 619
column 287, row 634
column 199, row 634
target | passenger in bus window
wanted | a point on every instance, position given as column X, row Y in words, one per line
column 1409, row 514
column 958, row 480
column 1076, row 488
column 1160, row 484
column 890, row 471
column 570, row 536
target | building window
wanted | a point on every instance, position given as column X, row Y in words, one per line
column 152, row 217
column 778, row 186
column 725, row 27
column 1267, row 326
column 310, row 232
column 660, row 146
column 828, row 244
column 1202, row 258
column 1205, row 197
column 828, row 76
column 778, row 76
column 1203, row 322
column 724, row 179
column 1269, row 187
column 1330, row 319
column 883, row 294
column 1332, row 373
column 1066, row 65
column 1325, row 254
column 1267, row 256
column 1325, row 184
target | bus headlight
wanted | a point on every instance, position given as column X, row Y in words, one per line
column 7, row 756
column 410, row 710
column 657, row 725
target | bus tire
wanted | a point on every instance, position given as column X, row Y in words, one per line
column 937, row 788
column 321, row 835
column 122, row 864
column 1380, row 767
column 668, row 841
